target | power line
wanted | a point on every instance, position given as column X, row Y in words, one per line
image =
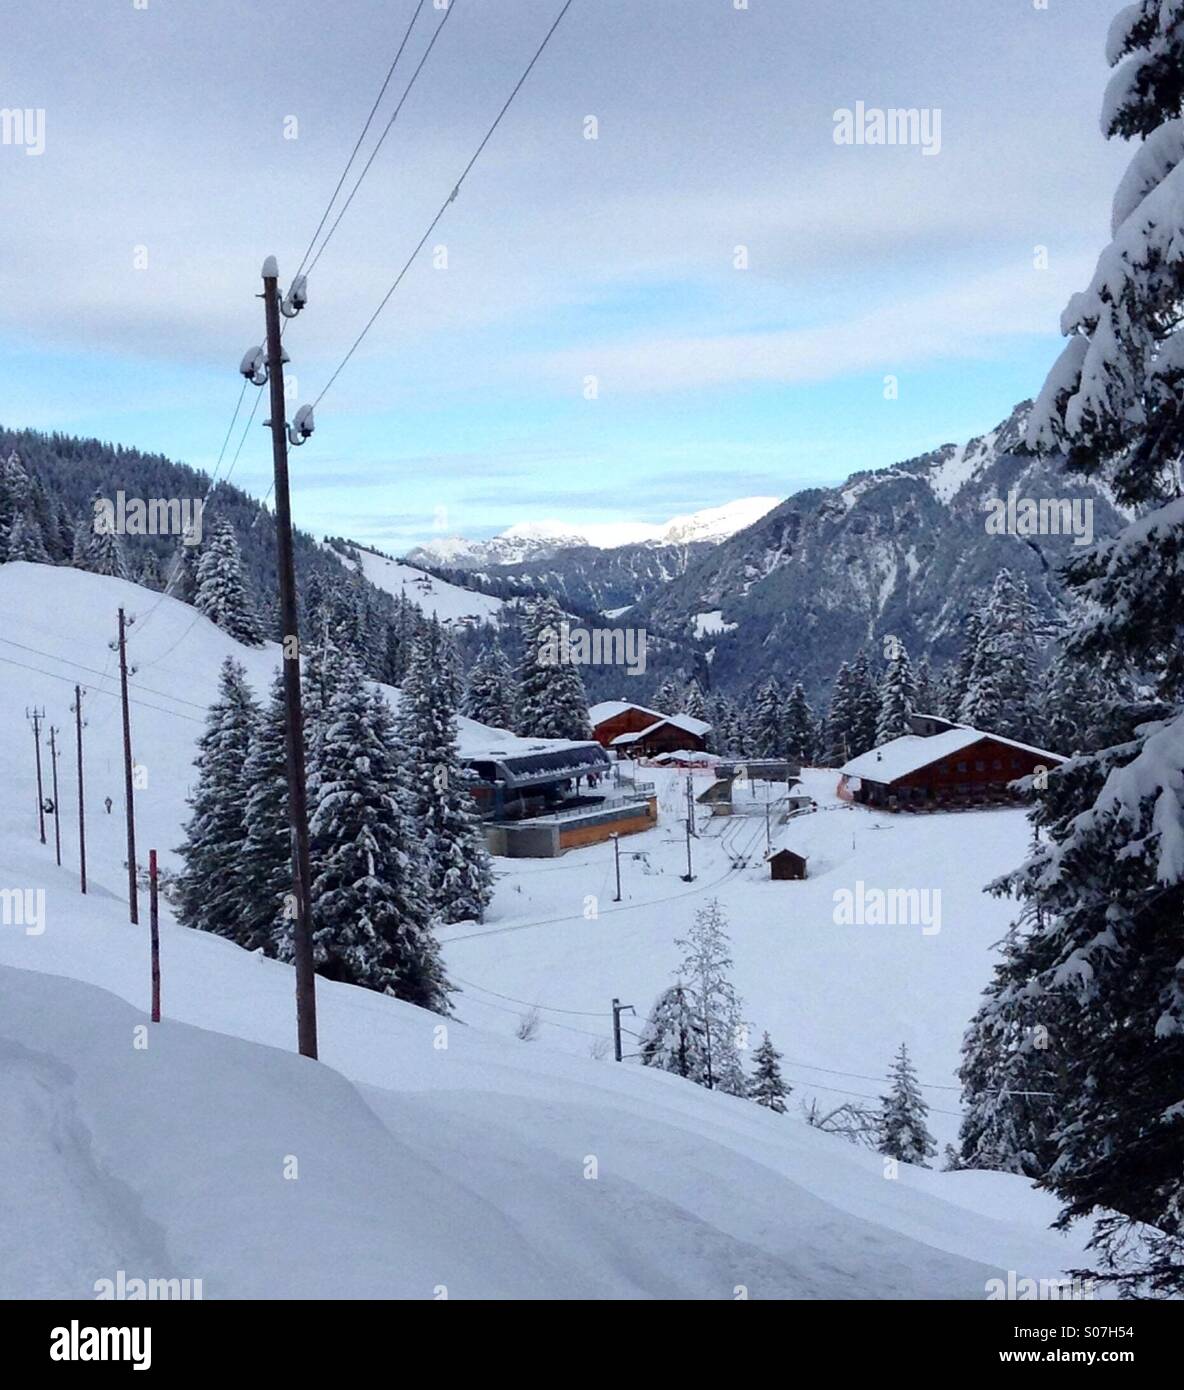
column 143, row 704
column 358, row 144
column 444, row 206
column 386, row 131
column 102, row 675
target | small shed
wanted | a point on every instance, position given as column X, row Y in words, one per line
column 785, row 864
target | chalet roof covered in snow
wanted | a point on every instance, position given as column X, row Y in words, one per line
column 682, row 722
column 527, row 762
column 911, row 752
column 609, row 709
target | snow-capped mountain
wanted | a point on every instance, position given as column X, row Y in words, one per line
column 903, row 551
column 540, row 540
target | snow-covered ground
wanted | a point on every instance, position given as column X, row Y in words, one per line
column 422, row 1155
column 448, row 602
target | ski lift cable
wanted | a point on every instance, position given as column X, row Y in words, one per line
column 444, row 206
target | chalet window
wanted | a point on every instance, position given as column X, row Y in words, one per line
column 980, row 766
column 961, row 767
column 998, row 764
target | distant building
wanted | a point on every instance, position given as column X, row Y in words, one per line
column 635, row 731
column 539, row 798
column 941, row 766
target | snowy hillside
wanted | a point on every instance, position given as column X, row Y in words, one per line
column 465, row 1158
column 435, row 597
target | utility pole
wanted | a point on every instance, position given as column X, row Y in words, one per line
column 57, row 807
column 768, row 833
column 133, row 893
column 306, row 996
column 618, row 1010
column 689, row 876
column 616, row 839
column 691, row 807
column 154, row 932
column 35, row 716
column 81, row 801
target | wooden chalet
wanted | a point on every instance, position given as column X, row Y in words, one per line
column 634, row 731
column 941, row 766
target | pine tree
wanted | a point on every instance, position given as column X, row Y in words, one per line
column 372, row 918
column 24, row 542
column 221, row 590
column 799, row 726
column 551, row 699
column 1002, row 693
column 148, row 574
column 104, row 546
column 903, row 1113
column 668, row 699
column 705, row 966
column 459, row 870
column 489, row 690
column 924, row 692
column 209, row 895
column 896, row 697
column 865, row 706
column 766, row 726
column 266, row 877
column 1011, row 1075
column 839, row 729
column 693, row 702
column 673, row 1037
column 961, row 672
column 1110, row 884
column 767, row 1087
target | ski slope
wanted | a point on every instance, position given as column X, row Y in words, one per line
column 448, row 602
column 450, row 1159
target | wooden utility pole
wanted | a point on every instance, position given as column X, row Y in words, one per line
column 57, row 805
column 616, row 839
column 154, row 932
column 35, row 716
column 81, row 801
column 306, row 995
column 618, row 1010
column 133, row 892
column 689, row 876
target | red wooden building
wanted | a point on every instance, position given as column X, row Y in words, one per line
column 637, row 732
column 952, row 766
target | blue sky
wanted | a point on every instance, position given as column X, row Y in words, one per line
column 465, row 409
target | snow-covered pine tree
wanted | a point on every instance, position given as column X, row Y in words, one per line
column 209, row 895
column 705, row 966
column 766, row 722
column 266, row 878
column 839, row 729
column 1110, row 883
column 372, row 917
column 924, row 697
column 551, row 699
column 15, row 487
column 1011, row 1072
column 767, row 1087
column 904, row 1134
column 222, row 591
column 1077, row 700
column 799, row 727
column 958, row 675
column 489, row 690
column 865, row 705
column 1003, row 692
column 459, row 869
column 24, row 542
column 673, row 1036
column 668, row 698
column 148, row 575
column 693, row 701
column 896, row 696
column 104, row 546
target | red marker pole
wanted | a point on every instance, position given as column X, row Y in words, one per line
column 154, row 928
